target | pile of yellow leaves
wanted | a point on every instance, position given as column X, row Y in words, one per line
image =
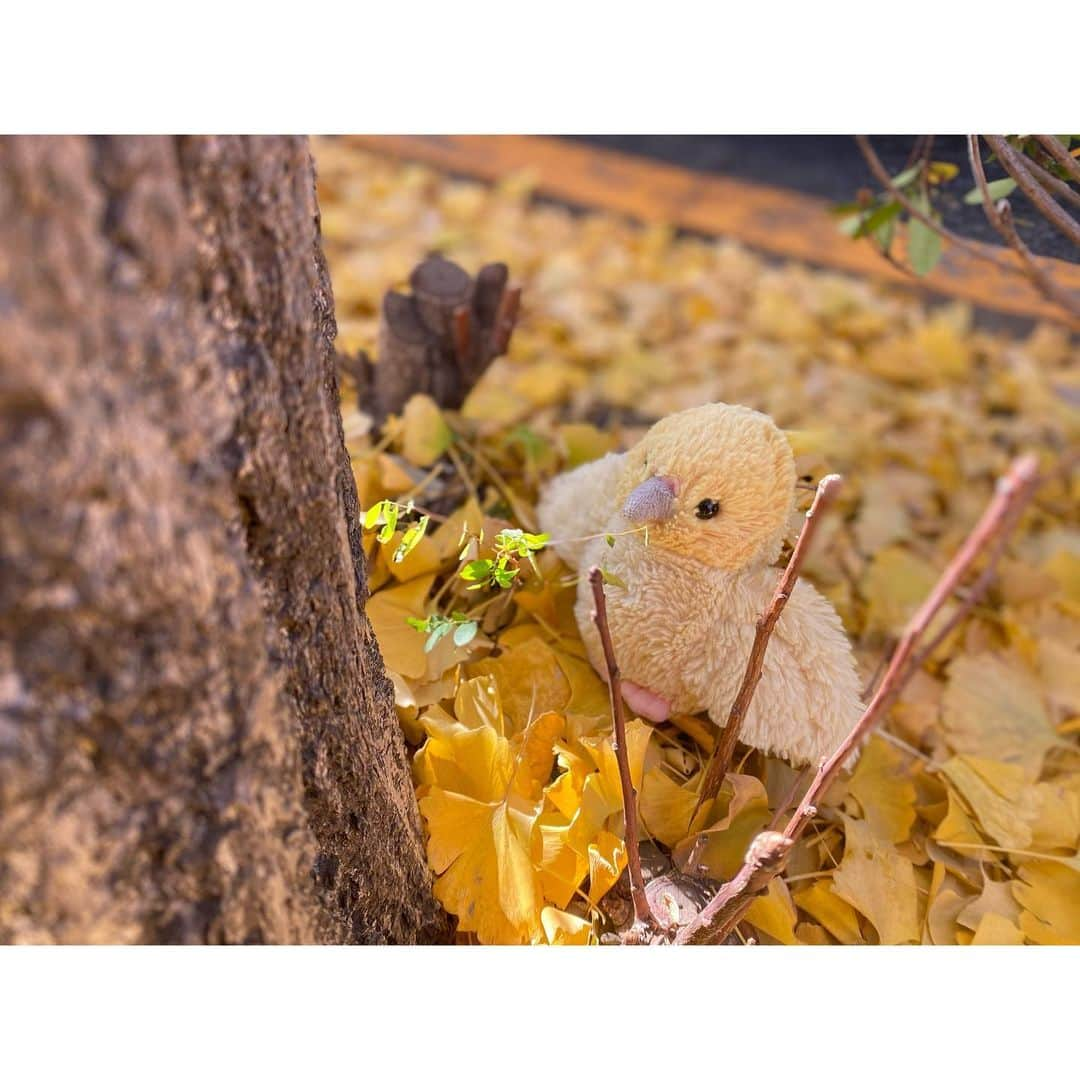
column 961, row 821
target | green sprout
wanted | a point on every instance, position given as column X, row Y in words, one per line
column 437, row 626
column 511, row 545
column 385, row 514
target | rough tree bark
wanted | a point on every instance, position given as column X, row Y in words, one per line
column 197, row 737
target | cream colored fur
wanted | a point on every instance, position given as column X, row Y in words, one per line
column 683, row 626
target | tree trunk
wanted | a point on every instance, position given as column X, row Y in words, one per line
column 197, row 737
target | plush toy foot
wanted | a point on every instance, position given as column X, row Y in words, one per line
column 645, row 703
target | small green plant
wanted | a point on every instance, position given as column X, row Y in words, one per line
column 437, row 626
column 385, row 515
column 511, row 546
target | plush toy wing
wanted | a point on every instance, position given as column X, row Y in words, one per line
column 809, row 695
column 580, row 504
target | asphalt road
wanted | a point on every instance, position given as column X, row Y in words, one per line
column 830, row 166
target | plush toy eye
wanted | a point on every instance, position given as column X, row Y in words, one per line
column 707, row 508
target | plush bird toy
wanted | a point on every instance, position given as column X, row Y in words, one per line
column 698, row 511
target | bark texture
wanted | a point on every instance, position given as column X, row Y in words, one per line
column 197, row 737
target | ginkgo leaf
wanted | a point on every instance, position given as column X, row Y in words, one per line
column 883, row 519
column 535, row 749
column 1059, row 673
column 942, row 914
column 774, row 913
column 957, row 828
column 401, row 646
column 993, row 929
column 583, row 443
column 666, row 806
column 882, row 783
column 998, row 797
column 478, row 704
column 1050, row 896
column 561, row 928
column 422, row 558
column 477, row 762
column 820, row 902
column 1056, row 823
column 1064, row 566
column 996, row 899
column 994, row 709
column 485, row 872
column 529, row 679
column 880, row 883
column 601, row 797
column 562, row 869
column 607, row 861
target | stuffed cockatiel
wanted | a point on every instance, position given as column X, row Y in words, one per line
column 715, row 486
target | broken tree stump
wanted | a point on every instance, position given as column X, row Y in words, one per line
column 438, row 339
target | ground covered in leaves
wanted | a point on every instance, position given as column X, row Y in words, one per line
column 961, row 821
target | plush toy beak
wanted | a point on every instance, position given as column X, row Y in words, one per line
column 651, row 502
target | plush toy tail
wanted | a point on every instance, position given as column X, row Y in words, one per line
column 579, row 504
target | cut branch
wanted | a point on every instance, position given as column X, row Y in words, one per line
column 719, row 917
column 438, row 339
column 642, row 911
column 722, row 756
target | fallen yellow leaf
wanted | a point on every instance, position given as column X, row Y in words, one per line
column 882, row 783
column 994, row 709
column 880, row 883
column 1050, row 895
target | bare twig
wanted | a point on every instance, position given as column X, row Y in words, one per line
column 881, row 174
column 1015, row 164
column 720, row 761
column 1052, row 183
column 642, row 911
column 1000, row 217
column 719, row 916
column 1060, row 155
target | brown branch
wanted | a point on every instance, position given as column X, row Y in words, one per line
column 999, row 215
column 1060, row 155
column 717, row 919
column 881, row 174
column 1051, row 182
column 720, row 761
column 642, row 910
column 1014, row 163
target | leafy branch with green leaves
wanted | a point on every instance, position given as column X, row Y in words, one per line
column 1044, row 168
